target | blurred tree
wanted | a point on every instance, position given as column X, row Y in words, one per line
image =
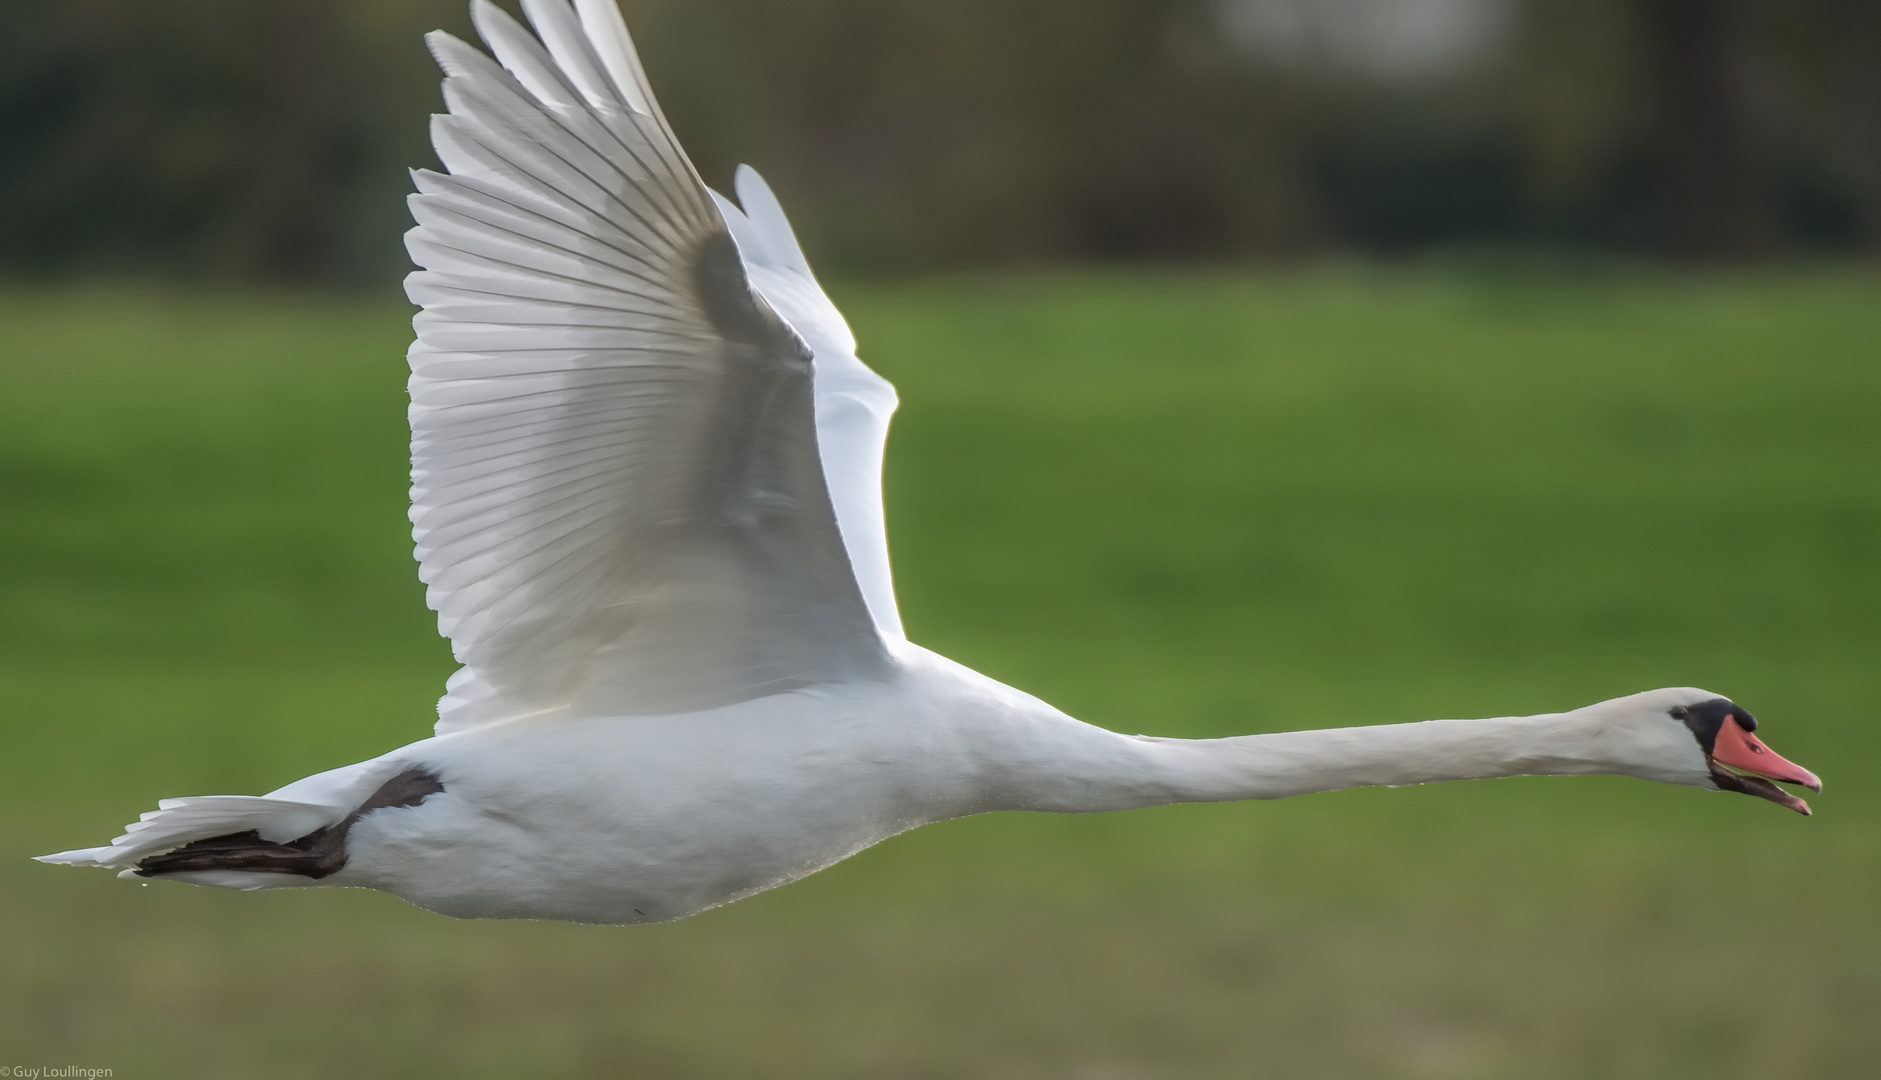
column 1716, row 187
column 907, row 133
column 220, row 138
column 268, row 141
column 1853, row 32
column 1575, row 89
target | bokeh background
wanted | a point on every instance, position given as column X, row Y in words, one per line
column 1265, row 364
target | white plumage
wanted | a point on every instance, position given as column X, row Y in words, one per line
column 646, row 469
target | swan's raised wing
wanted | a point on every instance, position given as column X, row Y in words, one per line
column 617, row 496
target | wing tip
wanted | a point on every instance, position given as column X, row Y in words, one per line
column 448, row 50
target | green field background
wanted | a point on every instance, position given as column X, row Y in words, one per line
column 1183, row 504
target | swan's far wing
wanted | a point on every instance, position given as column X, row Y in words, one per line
column 853, row 403
column 617, row 496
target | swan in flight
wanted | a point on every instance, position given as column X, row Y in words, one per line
column 646, row 499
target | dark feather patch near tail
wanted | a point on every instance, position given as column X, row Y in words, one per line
column 316, row 855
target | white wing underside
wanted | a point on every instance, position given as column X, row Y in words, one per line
column 646, row 462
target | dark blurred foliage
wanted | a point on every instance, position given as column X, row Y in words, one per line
column 214, row 138
column 236, row 140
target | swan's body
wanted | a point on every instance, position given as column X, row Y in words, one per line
column 646, row 818
column 646, row 499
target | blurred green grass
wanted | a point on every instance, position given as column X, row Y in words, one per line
column 1187, row 504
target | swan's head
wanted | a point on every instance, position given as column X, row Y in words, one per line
column 1689, row 736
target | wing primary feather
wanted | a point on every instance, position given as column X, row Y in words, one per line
column 452, row 60
column 561, row 34
column 478, row 130
column 462, row 60
column 607, row 32
column 446, row 193
column 658, row 202
column 468, row 65
column 439, row 215
column 423, row 246
column 518, row 51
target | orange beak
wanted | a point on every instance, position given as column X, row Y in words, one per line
column 1744, row 752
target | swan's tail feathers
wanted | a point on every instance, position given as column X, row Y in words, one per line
column 259, row 841
column 204, row 823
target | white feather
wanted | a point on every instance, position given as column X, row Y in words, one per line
column 607, row 33
column 563, row 36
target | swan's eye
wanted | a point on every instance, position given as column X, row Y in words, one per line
column 1679, row 712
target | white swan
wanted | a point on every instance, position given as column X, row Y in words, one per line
column 646, row 501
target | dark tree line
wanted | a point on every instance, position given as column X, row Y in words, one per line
column 266, row 140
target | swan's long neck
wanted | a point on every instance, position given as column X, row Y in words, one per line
column 1072, row 767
